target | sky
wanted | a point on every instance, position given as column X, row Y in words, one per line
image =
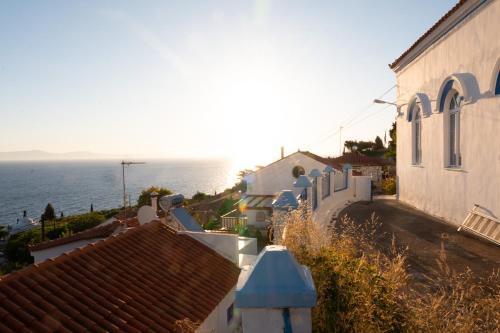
column 201, row 79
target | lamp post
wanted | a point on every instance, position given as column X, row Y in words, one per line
column 126, row 163
column 381, row 101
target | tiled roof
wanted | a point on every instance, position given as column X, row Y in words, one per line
column 428, row 32
column 324, row 160
column 102, row 231
column 357, row 158
column 143, row 279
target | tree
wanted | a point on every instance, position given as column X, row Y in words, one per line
column 145, row 197
column 391, row 149
column 49, row 213
column 199, row 196
column 3, row 232
column 91, row 208
column 379, row 145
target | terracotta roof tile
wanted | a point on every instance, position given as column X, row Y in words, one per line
column 428, row 32
column 324, row 160
column 143, row 279
column 97, row 232
column 357, row 158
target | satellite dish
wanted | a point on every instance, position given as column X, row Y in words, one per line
column 146, row 214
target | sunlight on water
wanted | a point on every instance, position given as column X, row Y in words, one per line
column 71, row 186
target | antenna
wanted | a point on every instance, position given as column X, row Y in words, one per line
column 126, row 163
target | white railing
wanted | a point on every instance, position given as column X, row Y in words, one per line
column 232, row 222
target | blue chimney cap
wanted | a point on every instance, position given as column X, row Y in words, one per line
column 276, row 280
column 315, row 173
column 286, row 200
column 328, row 169
column 302, row 181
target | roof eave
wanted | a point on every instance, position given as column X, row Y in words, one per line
column 450, row 20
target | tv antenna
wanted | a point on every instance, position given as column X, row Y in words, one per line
column 126, row 163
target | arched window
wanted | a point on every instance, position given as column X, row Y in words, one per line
column 415, row 116
column 452, row 128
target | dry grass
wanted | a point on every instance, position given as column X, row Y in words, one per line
column 361, row 289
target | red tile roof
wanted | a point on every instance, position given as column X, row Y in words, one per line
column 324, row 160
column 357, row 158
column 97, row 232
column 143, row 279
column 428, row 32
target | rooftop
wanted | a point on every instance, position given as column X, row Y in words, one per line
column 431, row 33
column 144, row 278
column 357, row 158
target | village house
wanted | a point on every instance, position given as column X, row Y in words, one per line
column 146, row 276
column 318, row 181
column 376, row 168
column 448, row 127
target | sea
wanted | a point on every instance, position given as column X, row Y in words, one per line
column 72, row 186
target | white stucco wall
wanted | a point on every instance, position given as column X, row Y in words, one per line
column 56, row 251
column 224, row 244
column 278, row 175
column 217, row 319
column 255, row 320
column 472, row 47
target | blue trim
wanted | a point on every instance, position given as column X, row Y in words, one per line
column 444, row 94
column 497, row 87
column 287, row 321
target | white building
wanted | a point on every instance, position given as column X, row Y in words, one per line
column 328, row 186
column 448, row 127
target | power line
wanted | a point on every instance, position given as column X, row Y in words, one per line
column 348, row 124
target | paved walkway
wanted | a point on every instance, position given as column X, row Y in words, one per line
column 425, row 236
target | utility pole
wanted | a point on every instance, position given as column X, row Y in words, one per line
column 126, row 163
column 340, row 139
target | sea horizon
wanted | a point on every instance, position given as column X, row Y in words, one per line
column 71, row 186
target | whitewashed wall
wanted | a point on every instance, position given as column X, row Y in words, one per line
column 472, row 47
column 217, row 319
column 56, row 251
column 278, row 176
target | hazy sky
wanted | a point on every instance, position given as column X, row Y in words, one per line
column 233, row 79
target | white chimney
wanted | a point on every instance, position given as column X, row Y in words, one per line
column 154, row 200
column 282, row 152
column 276, row 294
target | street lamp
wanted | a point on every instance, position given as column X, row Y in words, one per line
column 380, row 101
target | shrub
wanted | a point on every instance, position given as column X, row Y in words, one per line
column 360, row 289
column 55, row 232
column 16, row 249
column 145, row 196
column 82, row 222
column 389, row 185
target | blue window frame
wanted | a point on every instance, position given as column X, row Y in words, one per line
column 230, row 313
column 444, row 94
column 315, row 193
column 325, row 185
column 497, row 87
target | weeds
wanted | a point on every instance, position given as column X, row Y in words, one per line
column 361, row 289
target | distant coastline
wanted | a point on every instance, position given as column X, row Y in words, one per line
column 40, row 155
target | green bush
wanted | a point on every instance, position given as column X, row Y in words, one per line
column 145, row 196
column 54, row 233
column 16, row 249
column 389, row 185
column 82, row 222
